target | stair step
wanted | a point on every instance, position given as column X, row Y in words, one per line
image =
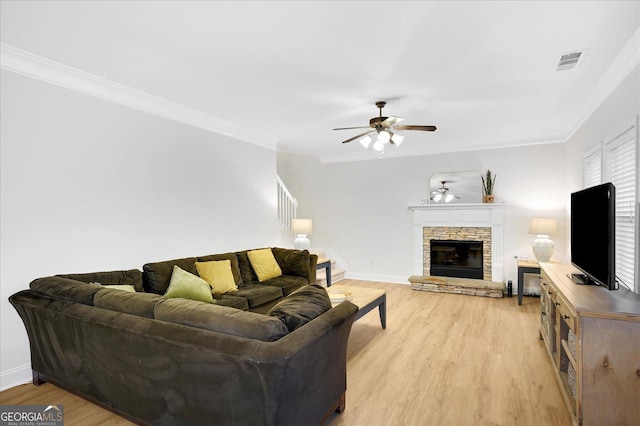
column 336, row 275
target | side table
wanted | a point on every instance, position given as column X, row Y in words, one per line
column 326, row 265
column 525, row 267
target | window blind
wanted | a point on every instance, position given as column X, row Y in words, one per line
column 621, row 169
column 592, row 167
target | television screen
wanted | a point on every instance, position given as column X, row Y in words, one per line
column 593, row 234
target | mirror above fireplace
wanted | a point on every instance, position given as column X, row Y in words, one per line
column 462, row 187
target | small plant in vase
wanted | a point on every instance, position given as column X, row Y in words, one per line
column 488, row 181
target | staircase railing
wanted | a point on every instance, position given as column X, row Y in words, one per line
column 287, row 207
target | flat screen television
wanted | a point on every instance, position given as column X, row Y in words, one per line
column 593, row 227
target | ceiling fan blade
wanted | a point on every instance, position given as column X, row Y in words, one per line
column 411, row 127
column 390, row 121
column 357, row 136
column 351, row 128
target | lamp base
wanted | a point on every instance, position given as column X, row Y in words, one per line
column 301, row 242
column 543, row 248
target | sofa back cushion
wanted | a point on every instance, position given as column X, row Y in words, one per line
column 221, row 319
column 131, row 277
column 246, row 271
column 156, row 276
column 301, row 306
column 293, row 262
column 66, row 289
column 140, row 304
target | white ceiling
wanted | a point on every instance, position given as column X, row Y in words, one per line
column 288, row 72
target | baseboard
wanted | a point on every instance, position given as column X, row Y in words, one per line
column 15, row 376
column 394, row 279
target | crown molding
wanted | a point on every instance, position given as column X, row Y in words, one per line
column 40, row 68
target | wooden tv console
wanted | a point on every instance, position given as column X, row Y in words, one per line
column 593, row 339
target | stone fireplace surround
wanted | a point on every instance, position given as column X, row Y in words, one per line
column 456, row 220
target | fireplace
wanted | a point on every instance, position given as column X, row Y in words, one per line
column 456, row 258
column 471, row 222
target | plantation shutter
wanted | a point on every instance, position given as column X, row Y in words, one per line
column 592, row 167
column 621, row 168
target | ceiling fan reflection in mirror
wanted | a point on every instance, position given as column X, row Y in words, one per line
column 442, row 195
column 385, row 130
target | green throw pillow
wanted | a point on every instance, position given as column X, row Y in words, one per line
column 188, row 286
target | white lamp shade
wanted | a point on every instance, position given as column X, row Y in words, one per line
column 543, row 226
column 365, row 141
column 384, row 136
column 301, row 226
column 397, row 139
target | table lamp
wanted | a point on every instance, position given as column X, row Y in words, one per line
column 301, row 228
column 543, row 245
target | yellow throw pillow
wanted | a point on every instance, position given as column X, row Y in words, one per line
column 218, row 274
column 264, row 264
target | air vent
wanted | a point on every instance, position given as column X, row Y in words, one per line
column 568, row 61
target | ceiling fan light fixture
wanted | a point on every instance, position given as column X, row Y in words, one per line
column 365, row 141
column 385, row 128
column 448, row 197
column 397, row 139
column 384, row 136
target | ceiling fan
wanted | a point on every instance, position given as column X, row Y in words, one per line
column 384, row 127
column 442, row 195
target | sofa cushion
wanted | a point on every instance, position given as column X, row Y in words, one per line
column 66, row 289
column 233, row 258
column 188, row 286
column 131, row 277
column 301, row 306
column 247, row 272
column 293, row 262
column 288, row 283
column 232, row 301
column 264, row 264
column 156, row 276
column 121, row 287
column 218, row 274
column 140, row 304
column 220, row 318
column 258, row 294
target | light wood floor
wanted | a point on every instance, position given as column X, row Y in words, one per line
column 444, row 359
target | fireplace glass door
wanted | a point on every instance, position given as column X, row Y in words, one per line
column 452, row 258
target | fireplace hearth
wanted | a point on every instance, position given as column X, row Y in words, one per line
column 456, row 258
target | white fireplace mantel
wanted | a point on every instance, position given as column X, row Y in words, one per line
column 460, row 215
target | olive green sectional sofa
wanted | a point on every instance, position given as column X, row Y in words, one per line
column 269, row 353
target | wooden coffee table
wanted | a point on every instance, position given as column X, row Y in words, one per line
column 365, row 298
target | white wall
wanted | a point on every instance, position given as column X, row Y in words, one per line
column 88, row 185
column 359, row 209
